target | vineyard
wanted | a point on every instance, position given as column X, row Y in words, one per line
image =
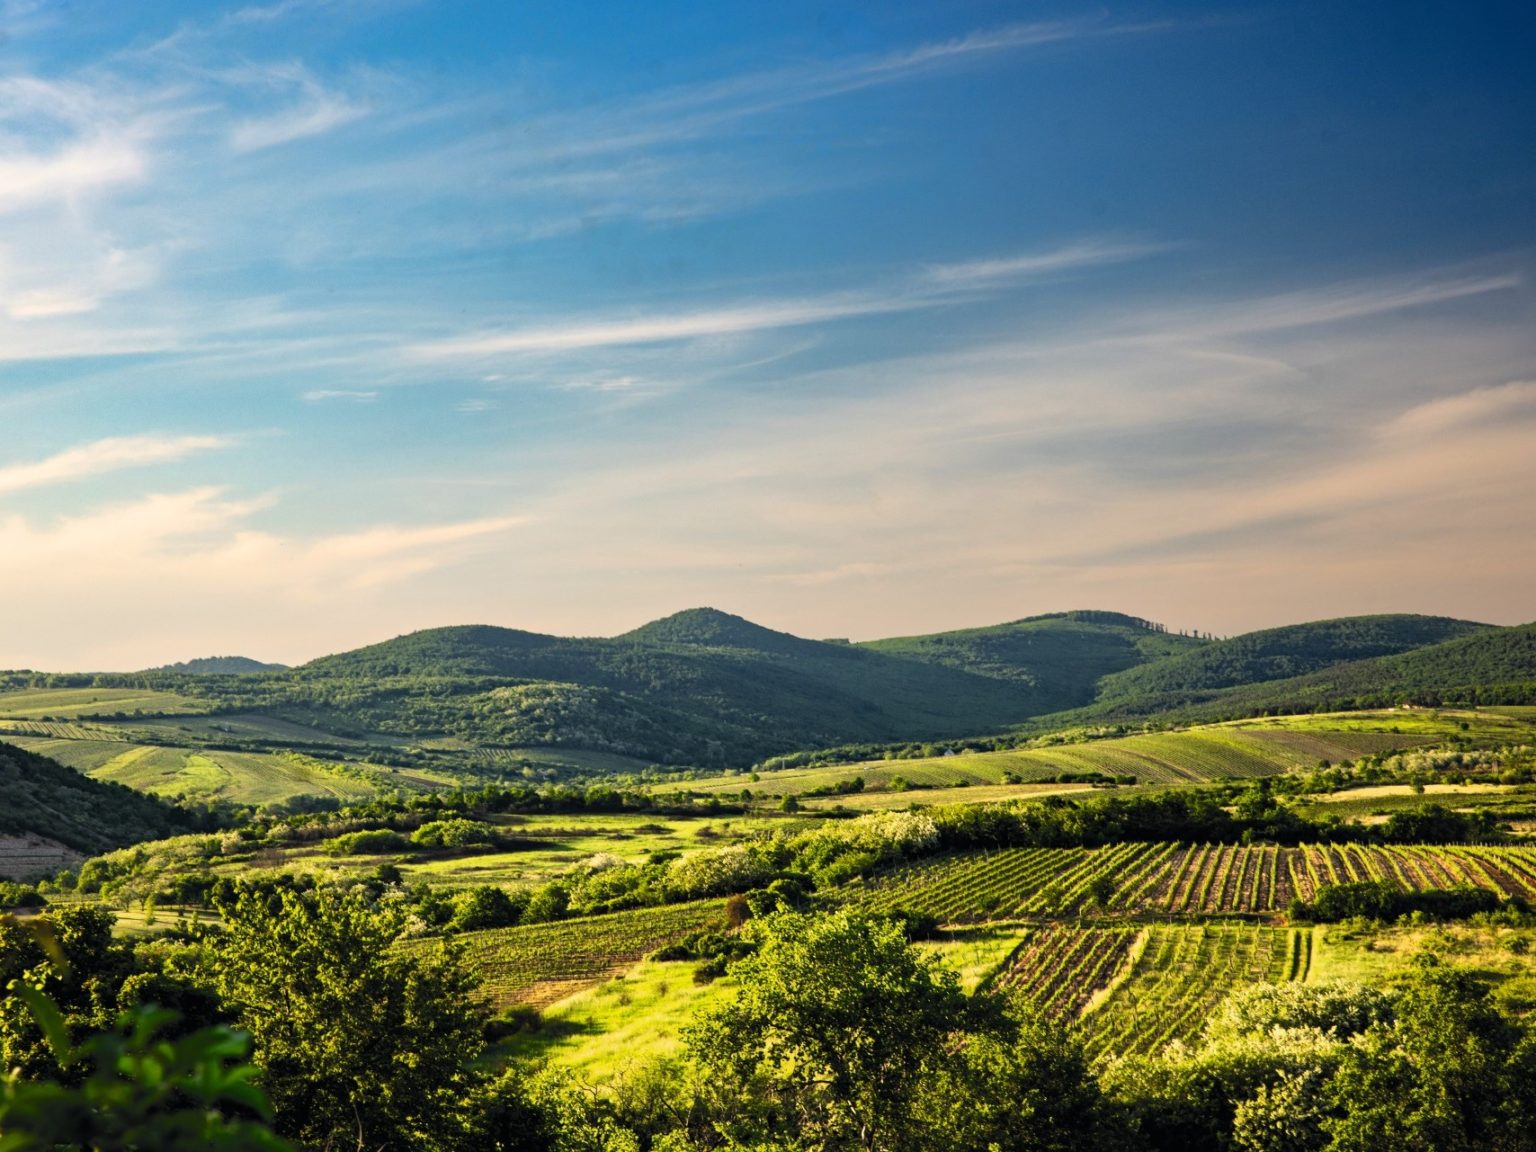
column 1172, row 879
column 1063, row 969
column 541, row 963
column 1181, row 974
column 60, row 730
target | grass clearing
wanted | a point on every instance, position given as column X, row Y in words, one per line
column 209, row 774
column 626, row 1021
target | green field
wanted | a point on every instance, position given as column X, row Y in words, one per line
column 77, row 703
column 560, row 842
column 1245, row 748
column 200, row 774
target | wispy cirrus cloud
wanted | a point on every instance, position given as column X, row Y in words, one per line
column 931, row 288
column 1329, row 304
column 700, row 110
column 108, row 455
column 1513, row 401
column 318, row 113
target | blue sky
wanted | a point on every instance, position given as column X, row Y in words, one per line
column 324, row 320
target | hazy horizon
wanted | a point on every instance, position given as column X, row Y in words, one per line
column 325, row 321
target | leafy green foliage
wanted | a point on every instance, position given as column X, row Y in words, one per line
column 360, row 1042
column 844, row 1036
column 140, row 1089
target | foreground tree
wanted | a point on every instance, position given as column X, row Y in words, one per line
column 361, row 1043
column 1449, row 1072
column 844, row 1036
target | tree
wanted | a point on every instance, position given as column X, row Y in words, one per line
column 1021, row 1085
column 844, row 1036
column 68, row 954
column 1449, row 1072
column 360, row 1042
column 835, row 1025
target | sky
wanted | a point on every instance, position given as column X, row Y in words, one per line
column 322, row 321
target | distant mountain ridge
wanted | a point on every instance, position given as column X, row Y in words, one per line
column 220, row 666
column 710, row 688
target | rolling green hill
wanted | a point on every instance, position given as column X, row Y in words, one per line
column 707, row 688
column 1056, row 661
column 1480, row 665
column 701, row 685
column 1493, row 666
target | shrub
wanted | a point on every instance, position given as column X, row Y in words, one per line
column 368, row 843
column 452, row 834
column 486, row 907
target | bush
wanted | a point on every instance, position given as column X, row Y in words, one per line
column 452, row 834
column 486, row 907
column 1379, row 900
column 368, row 843
column 20, row 896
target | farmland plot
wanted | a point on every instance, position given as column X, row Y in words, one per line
column 541, row 963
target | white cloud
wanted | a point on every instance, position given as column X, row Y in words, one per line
column 109, row 455
column 320, row 113
column 320, row 395
column 29, row 178
column 1480, row 406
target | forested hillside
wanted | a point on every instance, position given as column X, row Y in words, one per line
column 1280, row 654
column 44, row 798
column 1056, row 660
column 220, row 666
column 1484, row 665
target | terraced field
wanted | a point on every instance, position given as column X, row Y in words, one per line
column 541, row 963
column 1172, row 879
column 32, row 857
column 78, row 703
column 1213, row 752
